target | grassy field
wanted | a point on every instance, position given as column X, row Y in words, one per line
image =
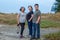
column 50, row 20
column 47, row 20
column 8, row 19
column 49, row 23
column 53, row 36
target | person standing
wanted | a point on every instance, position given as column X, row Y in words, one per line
column 21, row 18
column 29, row 20
column 36, row 23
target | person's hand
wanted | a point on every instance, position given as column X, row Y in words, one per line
column 17, row 24
column 36, row 22
column 29, row 20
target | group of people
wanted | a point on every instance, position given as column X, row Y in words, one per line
column 33, row 20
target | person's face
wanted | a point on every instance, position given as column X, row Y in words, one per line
column 30, row 9
column 23, row 10
column 36, row 7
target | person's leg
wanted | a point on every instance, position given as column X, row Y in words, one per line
column 30, row 28
column 22, row 28
column 34, row 30
column 38, row 30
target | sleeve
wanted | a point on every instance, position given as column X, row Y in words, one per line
column 19, row 13
column 39, row 13
column 32, row 12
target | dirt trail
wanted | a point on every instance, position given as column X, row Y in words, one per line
column 9, row 32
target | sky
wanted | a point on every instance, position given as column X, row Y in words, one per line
column 13, row 6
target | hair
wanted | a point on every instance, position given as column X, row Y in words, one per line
column 36, row 5
column 30, row 6
column 21, row 8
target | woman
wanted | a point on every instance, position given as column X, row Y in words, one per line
column 29, row 20
column 21, row 18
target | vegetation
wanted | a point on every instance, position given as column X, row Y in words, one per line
column 56, row 6
column 8, row 19
column 50, row 20
column 53, row 36
column 48, row 23
column 47, row 20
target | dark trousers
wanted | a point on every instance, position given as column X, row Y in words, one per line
column 22, row 28
column 30, row 27
column 36, row 30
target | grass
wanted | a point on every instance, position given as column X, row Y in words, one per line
column 10, row 22
column 50, row 20
column 47, row 20
column 8, row 19
column 48, row 23
column 55, row 17
column 53, row 36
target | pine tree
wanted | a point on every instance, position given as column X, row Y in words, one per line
column 56, row 6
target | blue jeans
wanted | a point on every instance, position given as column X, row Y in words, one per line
column 36, row 30
column 30, row 27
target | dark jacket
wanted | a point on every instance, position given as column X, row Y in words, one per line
column 29, row 15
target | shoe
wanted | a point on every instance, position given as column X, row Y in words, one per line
column 37, row 38
column 32, row 38
column 22, row 37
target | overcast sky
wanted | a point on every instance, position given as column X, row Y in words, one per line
column 14, row 5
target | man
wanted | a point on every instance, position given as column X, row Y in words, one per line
column 36, row 23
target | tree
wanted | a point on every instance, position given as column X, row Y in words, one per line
column 56, row 6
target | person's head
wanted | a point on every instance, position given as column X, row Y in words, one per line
column 22, row 9
column 36, row 7
column 30, row 8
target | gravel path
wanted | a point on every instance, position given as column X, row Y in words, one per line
column 9, row 32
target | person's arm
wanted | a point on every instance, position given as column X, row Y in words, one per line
column 18, row 18
column 38, row 20
column 39, row 17
column 31, row 17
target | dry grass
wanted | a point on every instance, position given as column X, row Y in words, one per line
column 50, row 20
column 46, row 19
column 7, row 18
column 53, row 17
